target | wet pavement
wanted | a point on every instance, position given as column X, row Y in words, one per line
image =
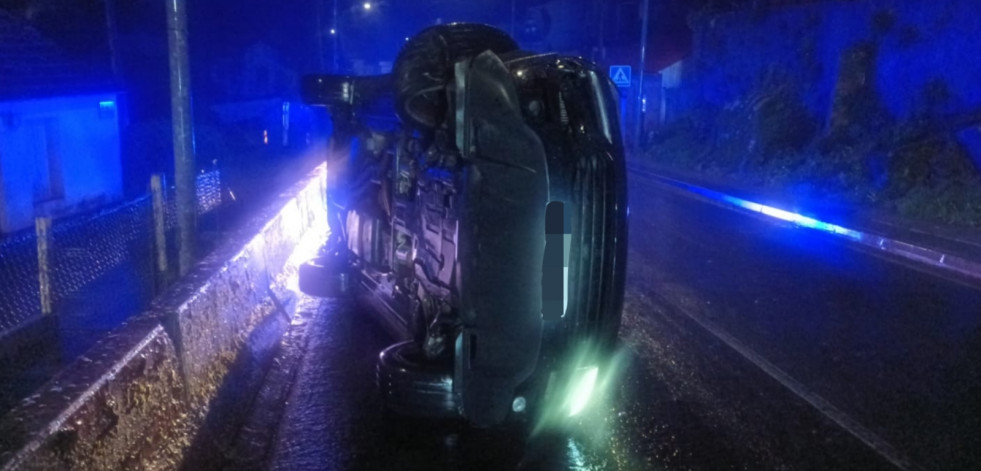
column 895, row 352
column 748, row 345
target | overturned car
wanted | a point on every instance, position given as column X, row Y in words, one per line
column 479, row 212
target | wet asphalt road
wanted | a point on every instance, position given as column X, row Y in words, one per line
column 749, row 345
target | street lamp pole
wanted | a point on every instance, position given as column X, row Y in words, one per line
column 333, row 30
column 321, row 40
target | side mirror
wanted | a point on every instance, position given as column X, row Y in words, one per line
column 327, row 90
column 364, row 99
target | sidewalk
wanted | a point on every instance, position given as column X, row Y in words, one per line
column 952, row 251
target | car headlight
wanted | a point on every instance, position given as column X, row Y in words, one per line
column 581, row 389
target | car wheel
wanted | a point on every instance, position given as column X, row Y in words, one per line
column 424, row 67
column 326, row 276
column 413, row 386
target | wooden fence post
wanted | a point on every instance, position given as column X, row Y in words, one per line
column 159, row 222
column 42, row 227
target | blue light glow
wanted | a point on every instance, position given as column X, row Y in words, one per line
column 107, row 109
column 777, row 213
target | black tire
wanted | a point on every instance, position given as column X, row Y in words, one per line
column 327, row 276
column 424, row 67
column 412, row 386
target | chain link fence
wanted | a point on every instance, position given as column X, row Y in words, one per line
column 84, row 248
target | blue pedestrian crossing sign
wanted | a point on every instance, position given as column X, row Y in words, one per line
column 620, row 75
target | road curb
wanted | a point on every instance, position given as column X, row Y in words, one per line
column 181, row 367
column 937, row 259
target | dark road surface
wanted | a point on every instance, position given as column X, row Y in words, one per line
column 750, row 346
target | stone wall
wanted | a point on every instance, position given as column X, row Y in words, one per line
column 172, row 378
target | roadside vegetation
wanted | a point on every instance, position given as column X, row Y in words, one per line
column 915, row 169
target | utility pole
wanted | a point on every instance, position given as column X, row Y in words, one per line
column 640, row 79
column 180, row 106
column 601, row 38
column 112, row 33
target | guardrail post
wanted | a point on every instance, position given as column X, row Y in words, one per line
column 159, row 223
column 42, row 227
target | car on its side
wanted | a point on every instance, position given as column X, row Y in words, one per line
column 479, row 209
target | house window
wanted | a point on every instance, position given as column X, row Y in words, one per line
column 44, row 157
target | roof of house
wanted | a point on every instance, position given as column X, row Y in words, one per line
column 32, row 66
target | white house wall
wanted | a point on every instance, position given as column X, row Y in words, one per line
column 76, row 138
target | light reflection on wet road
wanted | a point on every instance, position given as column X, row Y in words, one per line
column 894, row 350
column 687, row 400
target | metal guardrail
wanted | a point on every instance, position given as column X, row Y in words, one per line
column 938, row 259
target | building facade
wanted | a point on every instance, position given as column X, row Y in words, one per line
column 59, row 131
